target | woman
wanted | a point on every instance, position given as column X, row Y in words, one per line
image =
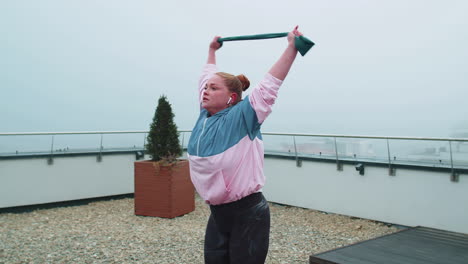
column 226, row 158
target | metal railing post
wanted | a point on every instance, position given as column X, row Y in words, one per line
column 50, row 160
column 453, row 175
column 99, row 157
column 183, row 137
column 298, row 162
column 339, row 166
column 391, row 171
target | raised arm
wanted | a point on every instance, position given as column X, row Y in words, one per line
column 209, row 69
column 264, row 94
column 214, row 46
column 281, row 68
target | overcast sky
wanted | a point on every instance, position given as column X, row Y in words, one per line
column 389, row 68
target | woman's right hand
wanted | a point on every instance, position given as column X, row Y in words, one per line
column 292, row 35
column 215, row 45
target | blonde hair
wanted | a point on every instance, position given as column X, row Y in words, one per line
column 236, row 84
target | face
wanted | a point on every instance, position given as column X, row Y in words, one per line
column 216, row 95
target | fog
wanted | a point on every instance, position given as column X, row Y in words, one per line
column 387, row 68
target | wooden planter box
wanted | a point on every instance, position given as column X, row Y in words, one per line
column 163, row 190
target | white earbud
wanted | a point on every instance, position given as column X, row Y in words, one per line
column 229, row 101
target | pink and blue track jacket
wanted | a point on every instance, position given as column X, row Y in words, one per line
column 225, row 150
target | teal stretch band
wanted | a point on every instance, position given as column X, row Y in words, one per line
column 301, row 43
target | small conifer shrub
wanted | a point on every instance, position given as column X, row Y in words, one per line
column 163, row 138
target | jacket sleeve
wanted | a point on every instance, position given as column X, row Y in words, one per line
column 264, row 95
column 208, row 71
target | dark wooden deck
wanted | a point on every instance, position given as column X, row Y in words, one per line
column 418, row 245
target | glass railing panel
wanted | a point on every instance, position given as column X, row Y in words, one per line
column 420, row 152
column 25, row 144
column 460, row 154
column 184, row 139
column 281, row 145
column 317, row 147
column 75, row 143
column 127, row 141
column 363, row 149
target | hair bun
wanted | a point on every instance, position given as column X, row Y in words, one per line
column 244, row 80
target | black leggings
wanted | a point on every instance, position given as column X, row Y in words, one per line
column 238, row 232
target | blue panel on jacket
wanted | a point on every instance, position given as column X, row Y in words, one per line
column 213, row 135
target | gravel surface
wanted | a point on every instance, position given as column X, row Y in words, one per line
column 109, row 232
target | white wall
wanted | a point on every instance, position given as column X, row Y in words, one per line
column 412, row 197
column 33, row 181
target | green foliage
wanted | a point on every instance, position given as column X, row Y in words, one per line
column 163, row 138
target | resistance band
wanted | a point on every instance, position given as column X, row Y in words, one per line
column 302, row 43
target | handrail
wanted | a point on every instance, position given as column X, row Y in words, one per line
column 77, row 133
column 364, row 136
column 263, row 133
